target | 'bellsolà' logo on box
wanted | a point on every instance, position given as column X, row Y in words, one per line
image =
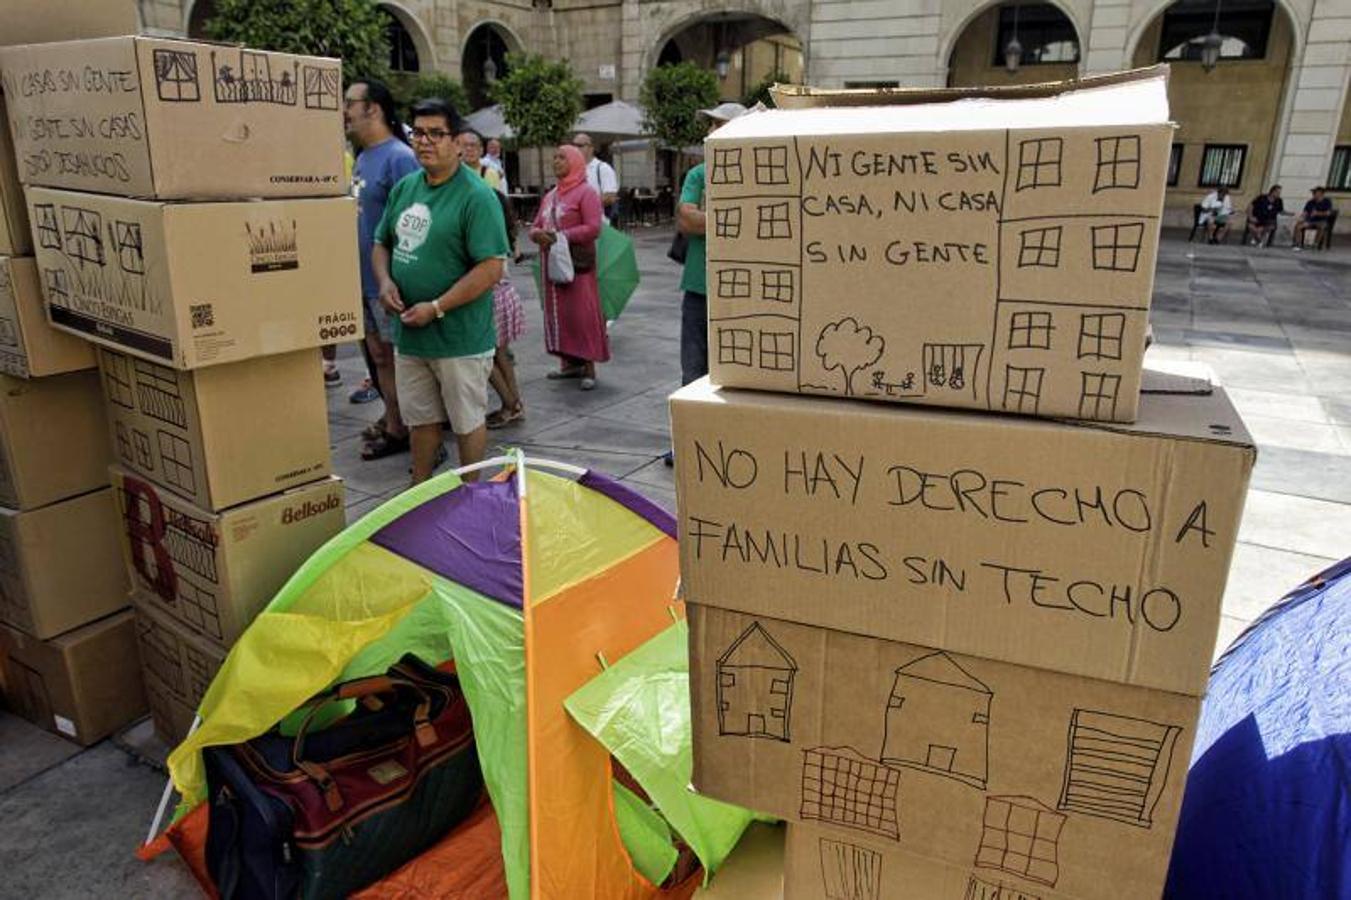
column 309, row 509
column 272, row 246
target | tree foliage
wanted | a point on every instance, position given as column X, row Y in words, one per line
column 850, row 347
column 541, row 99
column 408, row 90
column 672, row 96
column 352, row 30
column 760, row 93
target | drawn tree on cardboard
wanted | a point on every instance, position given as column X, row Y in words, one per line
column 850, row 347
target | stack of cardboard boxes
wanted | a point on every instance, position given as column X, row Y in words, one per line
column 189, row 218
column 962, row 653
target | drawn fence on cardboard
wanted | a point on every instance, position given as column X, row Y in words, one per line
column 1116, row 767
column 938, row 720
column 158, row 393
column 843, row 787
column 850, row 872
column 980, row 889
column 755, row 687
column 1021, row 836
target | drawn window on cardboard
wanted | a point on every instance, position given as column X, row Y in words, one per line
column 56, row 283
column 776, row 285
column 727, row 222
column 774, row 224
column 197, row 606
column 850, row 872
column 980, row 889
column 128, row 246
column 1022, row 389
column 117, row 378
column 176, row 461
column 1118, row 163
column 45, row 227
column 247, row 78
column 734, row 346
column 938, row 720
column 843, row 787
column 771, row 165
column 727, row 166
column 1098, row 395
column 176, row 76
column 123, row 440
column 755, row 687
column 84, row 235
column 157, row 391
column 1021, row 835
column 1116, row 766
column 734, row 284
column 321, row 87
column 142, row 455
column 1100, row 335
column 777, row 350
column 1040, row 247
column 1030, row 331
column 1116, row 248
column 1039, row 163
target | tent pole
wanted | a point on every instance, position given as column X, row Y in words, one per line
column 168, row 792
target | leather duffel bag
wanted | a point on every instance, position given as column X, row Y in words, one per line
column 327, row 812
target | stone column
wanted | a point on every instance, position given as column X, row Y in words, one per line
column 875, row 40
column 1108, row 30
column 631, row 52
column 1314, row 105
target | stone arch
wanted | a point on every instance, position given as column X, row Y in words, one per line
column 1140, row 23
column 948, row 40
column 504, row 31
column 795, row 18
column 422, row 42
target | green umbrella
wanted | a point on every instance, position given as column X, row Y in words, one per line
column 616, row 271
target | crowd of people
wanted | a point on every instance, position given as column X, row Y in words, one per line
column 436, row 230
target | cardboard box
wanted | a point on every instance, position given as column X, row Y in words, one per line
column 213, row 572
column 177, row 665
column 15, row 239
column 199, row 284
column 987, row 253
column 83, row 685
column 175, row 119
column 22, row 22
column 221, row 436
column 53, row 439
column 1097, row 550
column 29, row 346
column 1032, row 777
column 61, row 565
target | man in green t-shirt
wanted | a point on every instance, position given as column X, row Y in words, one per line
column 694, row 280
column 439, row 249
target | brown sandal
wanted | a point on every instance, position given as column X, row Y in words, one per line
column 385, row 445
column 501, row 418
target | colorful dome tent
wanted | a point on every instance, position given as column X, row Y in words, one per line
column 1267, row 811
column 529, row 582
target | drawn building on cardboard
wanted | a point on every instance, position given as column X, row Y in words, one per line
column 938, row 720
column 755, row 687
column 1022, row 286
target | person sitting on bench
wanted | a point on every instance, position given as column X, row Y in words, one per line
column 1263, row 215
column 1317, row 213
column 1216, row 209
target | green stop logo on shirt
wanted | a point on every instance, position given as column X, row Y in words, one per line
column 412, row 229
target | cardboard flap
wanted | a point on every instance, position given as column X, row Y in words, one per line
column 798, row 96
column 1177, row 378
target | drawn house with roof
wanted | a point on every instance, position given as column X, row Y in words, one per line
column 755, row 687
column 938, row 720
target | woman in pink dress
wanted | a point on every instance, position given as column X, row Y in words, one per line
column 574, row 326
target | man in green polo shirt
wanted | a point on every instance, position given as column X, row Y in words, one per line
column 439, row 249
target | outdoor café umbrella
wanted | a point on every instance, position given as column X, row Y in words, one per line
column 614, row 120
column 490, row 122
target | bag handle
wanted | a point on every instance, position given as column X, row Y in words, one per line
column 354, row 690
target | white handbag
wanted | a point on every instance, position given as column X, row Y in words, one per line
column 560, row 268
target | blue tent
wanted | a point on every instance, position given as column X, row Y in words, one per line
column 1267, row 811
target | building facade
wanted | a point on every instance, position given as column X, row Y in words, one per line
column 1273, row 110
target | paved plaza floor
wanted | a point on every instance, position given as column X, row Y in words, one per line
column 1274, row 326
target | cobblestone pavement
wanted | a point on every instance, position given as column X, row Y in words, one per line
column 1274, row 325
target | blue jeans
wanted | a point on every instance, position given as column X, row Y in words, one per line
column 693, row 337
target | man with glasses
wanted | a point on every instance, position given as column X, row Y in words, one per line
column 599, row 174
column 439, row 249
column 384, row 158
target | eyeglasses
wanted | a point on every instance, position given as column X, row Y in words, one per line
column 429, row 134
column 580, row 144
column 349, row 101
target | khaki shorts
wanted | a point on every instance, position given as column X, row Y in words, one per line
column 432, row 391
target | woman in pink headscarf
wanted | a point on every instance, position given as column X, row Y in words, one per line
column 574, row 326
